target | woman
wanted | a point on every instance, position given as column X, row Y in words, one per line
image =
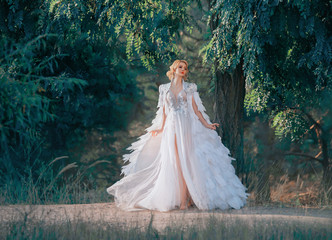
column 180, row 160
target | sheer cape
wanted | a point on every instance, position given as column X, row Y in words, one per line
column 150, row 177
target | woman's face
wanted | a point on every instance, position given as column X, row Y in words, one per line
column 181, row 70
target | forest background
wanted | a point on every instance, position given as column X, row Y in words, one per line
column 79, row 83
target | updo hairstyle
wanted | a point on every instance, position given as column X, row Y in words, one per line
column 170, row 74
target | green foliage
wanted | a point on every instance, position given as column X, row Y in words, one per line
column 27, row 93
column 286, row 53
column 256, row 100
column 24, row 82
column 61, row 75
column 149, row 28
column 288, row 123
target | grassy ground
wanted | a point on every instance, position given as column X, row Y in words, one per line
column 213, row 229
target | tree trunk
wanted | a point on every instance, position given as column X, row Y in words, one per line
column 229, row 110
column 229, row 103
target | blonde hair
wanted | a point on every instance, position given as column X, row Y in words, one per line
column 173, row 67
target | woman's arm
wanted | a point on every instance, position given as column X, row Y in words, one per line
column 156, row 132
column 201, row 118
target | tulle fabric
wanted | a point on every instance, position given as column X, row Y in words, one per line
column 152, row 180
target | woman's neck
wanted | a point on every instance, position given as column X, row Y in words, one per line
column 177, row 81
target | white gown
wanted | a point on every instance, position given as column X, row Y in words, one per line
column 152, row 179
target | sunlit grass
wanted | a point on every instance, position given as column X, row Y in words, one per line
column 48, row 184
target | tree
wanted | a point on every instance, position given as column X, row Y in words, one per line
column 294, row 77
column 229, row 84
column 280, row 48
column 59, row 78
column 150, row 28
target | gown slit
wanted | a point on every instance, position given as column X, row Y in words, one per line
column 182, row 182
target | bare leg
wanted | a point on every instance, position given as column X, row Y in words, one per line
column 183, row 186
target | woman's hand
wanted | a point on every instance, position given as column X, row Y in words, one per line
column 156, row 132
column 212, row 126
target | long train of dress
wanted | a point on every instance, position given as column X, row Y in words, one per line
column 152, row 177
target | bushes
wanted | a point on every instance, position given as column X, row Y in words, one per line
column 57, row 81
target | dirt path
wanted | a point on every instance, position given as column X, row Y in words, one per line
column 110, row 214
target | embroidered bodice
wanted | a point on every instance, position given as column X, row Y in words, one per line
column 177, row 103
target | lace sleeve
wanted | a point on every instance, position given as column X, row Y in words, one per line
column 157, row 121
column 137, row 147
column 199, row 103
column 161, row 97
